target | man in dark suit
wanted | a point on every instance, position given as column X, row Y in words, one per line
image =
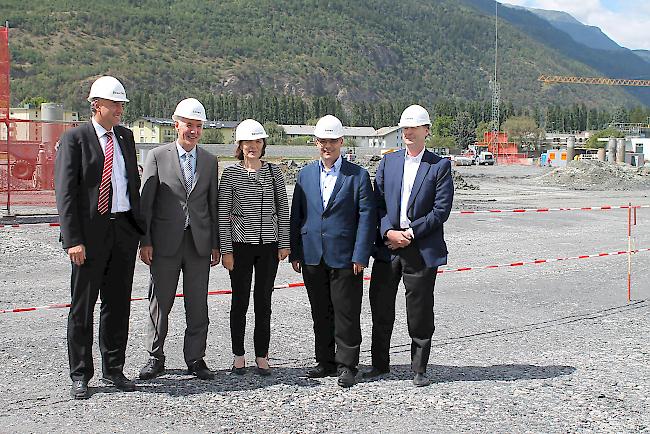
column 332, row 230
column 179, row 205
column 414, row 193
column 97, row 196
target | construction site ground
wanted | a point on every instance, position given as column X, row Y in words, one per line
column 552, row 347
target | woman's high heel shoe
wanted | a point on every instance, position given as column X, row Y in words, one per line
column 238, row 371
column 265, row 372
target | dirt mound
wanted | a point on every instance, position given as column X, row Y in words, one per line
column 597, row 175
column 290, row 168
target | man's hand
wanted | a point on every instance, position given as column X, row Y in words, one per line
column 283, row 253
column 397, row 239
column 77, row 254
column 146, row 254
column 296, row 266
column 228, row 261
column 216, row 257
column 357, row 268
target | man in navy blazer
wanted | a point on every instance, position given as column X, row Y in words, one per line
column 414, row 193
column 333, row 225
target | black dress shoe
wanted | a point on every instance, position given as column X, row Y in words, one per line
column 201, row 370
column 119, row 381
column 346, row 377
column 375, row 372
column 152, row 369
column 79, row 389
column 320, row 371
column 421, row 379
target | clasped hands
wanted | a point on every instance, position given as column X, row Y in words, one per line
column 396, row 239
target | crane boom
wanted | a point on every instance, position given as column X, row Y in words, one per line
column 593, row 80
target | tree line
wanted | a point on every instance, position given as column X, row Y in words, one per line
column 297, row 110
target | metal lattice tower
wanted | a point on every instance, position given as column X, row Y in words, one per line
column 494, row 85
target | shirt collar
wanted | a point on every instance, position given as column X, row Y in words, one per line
column 181, row 151
column 335, row 168
column 101, row 131
column 416, row 159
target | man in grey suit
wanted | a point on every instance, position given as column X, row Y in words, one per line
column 179, row 205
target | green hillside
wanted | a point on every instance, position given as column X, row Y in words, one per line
column 377, row 50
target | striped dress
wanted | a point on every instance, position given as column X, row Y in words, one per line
column 253, row 207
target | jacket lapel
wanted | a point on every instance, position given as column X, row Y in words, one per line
column 313, row 189
column 176, row 163
column 201, row 164
column 395, row 172
column 94, row 144
column 423, row 169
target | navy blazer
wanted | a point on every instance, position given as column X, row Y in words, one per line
column 429, row 205
column 344, row 231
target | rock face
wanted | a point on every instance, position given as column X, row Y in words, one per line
column 597, row 175
column 292, row 167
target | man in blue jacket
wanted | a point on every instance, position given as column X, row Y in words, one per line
column 333, row 226
column 414, row 193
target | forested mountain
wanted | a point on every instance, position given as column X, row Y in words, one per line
column 371, row 51
column 590, row 36
column 622, row 63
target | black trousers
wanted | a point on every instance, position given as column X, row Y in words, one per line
column 264, row 259
column 419, row 282
column 108, row 272
column 335, row 295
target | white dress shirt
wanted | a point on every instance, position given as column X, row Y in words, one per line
column 328, row 179
column 119, row 179
column 411, row 166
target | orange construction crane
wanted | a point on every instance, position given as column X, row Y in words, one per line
column 593, row 80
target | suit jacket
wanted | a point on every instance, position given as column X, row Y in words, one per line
column 429, row 204
column 78, row 173
column 344, row 231
column 165, row 199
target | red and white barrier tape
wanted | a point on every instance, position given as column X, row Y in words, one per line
column 300, row 284
column 536, row 210
column 461, row 212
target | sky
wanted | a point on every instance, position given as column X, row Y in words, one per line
column 627, row 22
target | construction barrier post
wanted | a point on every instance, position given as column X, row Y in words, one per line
column 629, row 252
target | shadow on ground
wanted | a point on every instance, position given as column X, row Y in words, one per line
column 448, row 374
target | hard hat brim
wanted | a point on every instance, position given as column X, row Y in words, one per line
column 91, row 98
column 180, row 118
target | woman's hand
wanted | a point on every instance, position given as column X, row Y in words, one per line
column 228, row 261
column 283, row 253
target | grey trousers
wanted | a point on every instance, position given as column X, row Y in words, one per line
column 165, row 271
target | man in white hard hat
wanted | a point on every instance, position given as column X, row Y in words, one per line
column 179, row 205
column 333, row 222
column 98, row 199
column 414, row 193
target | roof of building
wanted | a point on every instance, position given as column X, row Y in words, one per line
column 308, row 130
column 384, row 131
column 208, row 124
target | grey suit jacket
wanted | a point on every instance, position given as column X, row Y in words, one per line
column 164, row 200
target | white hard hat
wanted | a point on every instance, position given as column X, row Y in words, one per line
column 414, row 116
column 250, row 129
column 190, row 108
column 328, row 127
column 107, row 87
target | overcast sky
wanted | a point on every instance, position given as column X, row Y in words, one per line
column 627, row 22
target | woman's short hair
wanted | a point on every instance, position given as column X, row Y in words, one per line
column 240, row 155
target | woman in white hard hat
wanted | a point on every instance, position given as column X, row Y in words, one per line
column 254, row 233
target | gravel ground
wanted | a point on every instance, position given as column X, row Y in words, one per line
column 543, row 348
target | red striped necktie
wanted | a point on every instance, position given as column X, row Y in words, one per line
column 105, row 186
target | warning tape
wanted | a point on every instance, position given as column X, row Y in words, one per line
column 535, row 210
column 460, row 212
column 300, row 284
